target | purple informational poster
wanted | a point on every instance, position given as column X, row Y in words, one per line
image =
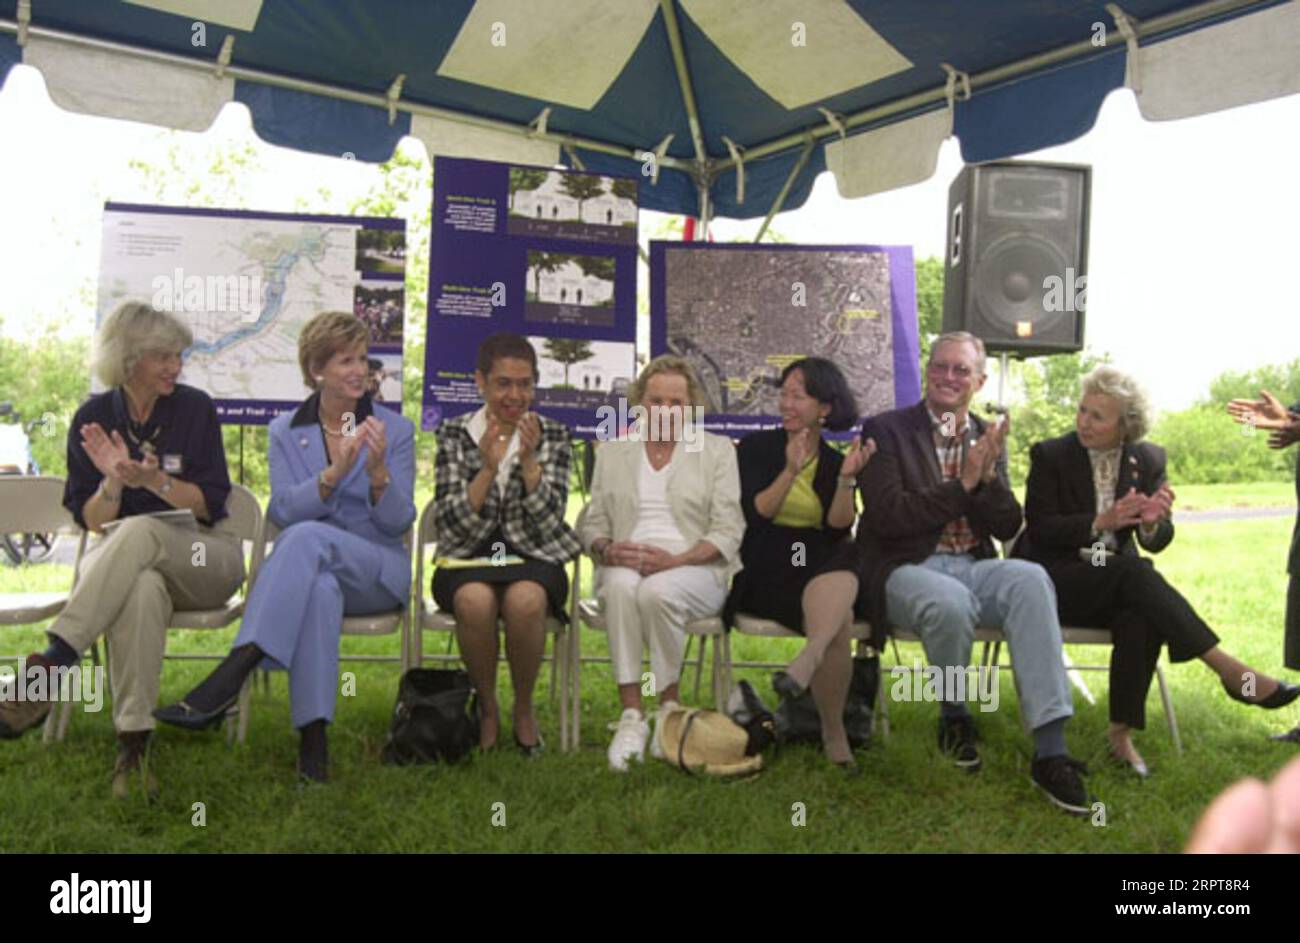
column 741, row 313
column 549, row 254
column 246, row 282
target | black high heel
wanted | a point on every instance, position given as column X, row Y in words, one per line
column 785, row 686
column 531, row 751
column 182, row 715
column 1281, row 697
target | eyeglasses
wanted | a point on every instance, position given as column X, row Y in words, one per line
column 960, row 370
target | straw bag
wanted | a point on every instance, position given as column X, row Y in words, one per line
column 703, row 741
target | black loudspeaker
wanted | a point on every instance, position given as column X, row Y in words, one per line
column 1016, row 276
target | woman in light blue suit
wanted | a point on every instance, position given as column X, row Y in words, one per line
column 342, row 479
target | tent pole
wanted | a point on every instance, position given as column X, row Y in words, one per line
column 684, row 82
column 785, row 188
column 926, row 101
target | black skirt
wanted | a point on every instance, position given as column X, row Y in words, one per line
column 552, row 577
column 779, row 595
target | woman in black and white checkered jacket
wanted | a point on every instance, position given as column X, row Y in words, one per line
column 502, row 477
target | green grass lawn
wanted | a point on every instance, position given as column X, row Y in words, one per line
column 56, row 797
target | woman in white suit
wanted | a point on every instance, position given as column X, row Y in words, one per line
column 665, row 525
column 342, row 479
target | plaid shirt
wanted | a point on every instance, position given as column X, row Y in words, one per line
column 957, row 536
column 533, row 524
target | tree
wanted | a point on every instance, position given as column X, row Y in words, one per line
column 525, row 178
column 624, row 188
column 582, row 187
column 568, row 352
column 929, row 303
column 601, row 266
column 45, row 379
column 539, row 262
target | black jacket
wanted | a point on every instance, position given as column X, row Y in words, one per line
column 1061, row 501
column 906, row 503
column 761, row 456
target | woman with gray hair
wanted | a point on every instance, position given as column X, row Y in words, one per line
column 664, row 526
column 1092, row 498
column 146, row 444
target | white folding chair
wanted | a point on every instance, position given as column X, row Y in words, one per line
column 31, row 504
column 245, row 515
column 429, row 617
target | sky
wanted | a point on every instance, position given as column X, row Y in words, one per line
column 1192, row 267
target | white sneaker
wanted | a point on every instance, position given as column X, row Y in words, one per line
column 664, row 709
column 630, row 735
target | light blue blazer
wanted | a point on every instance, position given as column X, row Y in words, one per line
column 298, row 457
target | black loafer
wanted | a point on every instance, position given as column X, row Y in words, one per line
column 1281, row 697
column 181, row 714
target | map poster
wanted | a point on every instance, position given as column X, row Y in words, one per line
column 246, row 283
column 742, row 313
column 549, row 254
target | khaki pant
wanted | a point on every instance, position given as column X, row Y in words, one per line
column 130, row 583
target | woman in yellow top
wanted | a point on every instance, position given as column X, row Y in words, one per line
column 800, row 562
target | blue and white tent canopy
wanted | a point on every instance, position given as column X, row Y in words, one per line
column 743, row 102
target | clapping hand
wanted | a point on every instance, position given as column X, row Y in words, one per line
column 1157, row 507
column 1264, row 413
column 800, row 448
column 1286, row 436
column 140, row 474
column 106, row 452
column 493, row 444
column 530, row 437
column 997, row 434
column 1125, row 512
column 373, row 434
column 857, row 458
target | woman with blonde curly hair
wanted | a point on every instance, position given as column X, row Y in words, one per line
column 1093, row 497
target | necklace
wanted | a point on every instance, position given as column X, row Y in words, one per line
column 336, row 433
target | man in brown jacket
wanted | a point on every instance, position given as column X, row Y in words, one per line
column 934, row 495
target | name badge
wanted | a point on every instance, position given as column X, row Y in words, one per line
column 172, row 464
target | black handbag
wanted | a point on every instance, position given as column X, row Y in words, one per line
column 797, row 720
column 436, row 718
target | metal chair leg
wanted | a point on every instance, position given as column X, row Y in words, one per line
column 1168, row 703
column 699, row 669
column 560, row 653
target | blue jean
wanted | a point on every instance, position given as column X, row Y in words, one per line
column 943, row 599
column 317, row 574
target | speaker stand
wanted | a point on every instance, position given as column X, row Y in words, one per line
column 1004, row 360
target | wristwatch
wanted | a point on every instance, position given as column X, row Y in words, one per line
column 166, row 486
column 321, row 480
